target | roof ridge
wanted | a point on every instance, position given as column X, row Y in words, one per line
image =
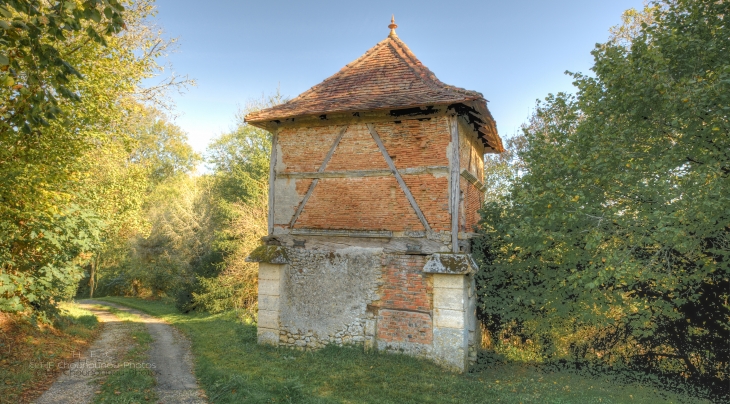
column 387, row 76
column 344, row 69
column 421, row 70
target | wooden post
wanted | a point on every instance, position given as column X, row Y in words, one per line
column 272, row 180
column 455, row 191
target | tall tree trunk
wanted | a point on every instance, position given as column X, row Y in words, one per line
column 92, row 273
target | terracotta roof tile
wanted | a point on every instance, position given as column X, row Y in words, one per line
column 388, row 76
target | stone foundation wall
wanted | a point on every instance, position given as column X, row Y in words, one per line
column 392, row 302
column 325, row 296
column 351, row 334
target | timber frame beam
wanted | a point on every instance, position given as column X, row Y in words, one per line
column 272, row 176
column 454, row 181
column 452, row 170
column 365, row 173
column 398, row 177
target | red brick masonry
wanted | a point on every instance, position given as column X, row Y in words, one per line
column 406, row 301
column 371, row 203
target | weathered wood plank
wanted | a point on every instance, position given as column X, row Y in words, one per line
column 316, row 180
column 354, row 117
column 473, row 180
column 455, row 191
column 272, row 179
column 343, row 233
column 366, row 173
column 398, row 177
column 333, row 242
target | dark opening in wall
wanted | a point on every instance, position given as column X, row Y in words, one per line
column 414, row 111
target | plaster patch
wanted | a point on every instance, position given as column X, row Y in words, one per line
column 287, row 200
column 323, row 290
column 280, row 166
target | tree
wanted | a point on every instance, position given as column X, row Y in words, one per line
column 45, row 233
column 128, row 181
column 618, row 233
column 240, row 164
column 240, row 158
column 35, row 59
column 54, row 210
column 503, row 169
column 161, row 147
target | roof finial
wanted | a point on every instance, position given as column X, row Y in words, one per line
column 392, row 27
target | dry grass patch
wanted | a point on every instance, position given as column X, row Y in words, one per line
column 29, row 353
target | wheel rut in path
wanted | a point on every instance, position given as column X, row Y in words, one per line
column 169, row 353
column 74, row 386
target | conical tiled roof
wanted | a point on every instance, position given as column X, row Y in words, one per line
column 388, row 76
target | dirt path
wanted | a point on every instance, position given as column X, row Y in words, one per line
column 73, row 386
column 169, row 353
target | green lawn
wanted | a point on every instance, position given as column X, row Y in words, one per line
column 232, row 368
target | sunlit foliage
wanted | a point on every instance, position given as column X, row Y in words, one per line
column 614, row 244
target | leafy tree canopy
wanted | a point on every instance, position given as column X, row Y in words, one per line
column 240, row 158
column 35, row 63
column 621, row 221
column 68, row 185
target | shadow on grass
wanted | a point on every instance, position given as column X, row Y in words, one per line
column 669, row 386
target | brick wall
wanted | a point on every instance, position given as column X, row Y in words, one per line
column 304, row 149
column 356, row 151
column 406, row 298
column 432, row 195
column 302, row 185
column 403, row 326
column 370, row 203
column 472, row 203
column 411, row 143
column 375, row 203
column 414, row 143
column 471, row 151
column 471, row 158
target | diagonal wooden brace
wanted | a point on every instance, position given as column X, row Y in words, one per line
column 398, row 177
column 316, row 180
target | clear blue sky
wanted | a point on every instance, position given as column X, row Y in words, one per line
column 513, row 52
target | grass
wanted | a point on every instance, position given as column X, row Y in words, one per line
column 29, row 353
column 130, row 384
column 233, row 368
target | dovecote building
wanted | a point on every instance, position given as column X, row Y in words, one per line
column 376, row 179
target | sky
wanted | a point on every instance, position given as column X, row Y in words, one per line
column 514, row 52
